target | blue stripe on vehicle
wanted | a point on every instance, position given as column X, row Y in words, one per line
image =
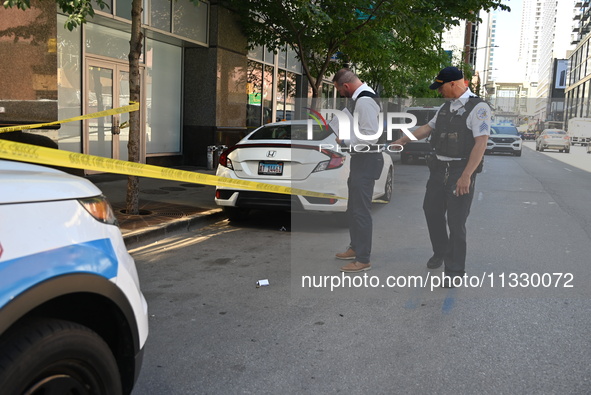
column 95, row 257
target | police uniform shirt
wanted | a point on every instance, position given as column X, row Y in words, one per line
column 479, row 120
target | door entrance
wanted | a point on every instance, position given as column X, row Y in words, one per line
column 107, row 88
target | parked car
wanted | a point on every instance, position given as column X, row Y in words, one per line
column 280, row 154
column 72, row 316
column 528, row 136
column 553, row 139
column 504, row 138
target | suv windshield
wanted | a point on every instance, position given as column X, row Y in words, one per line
column 512, row 130
column 289, row 132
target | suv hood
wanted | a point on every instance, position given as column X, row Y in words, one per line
column 23, row 182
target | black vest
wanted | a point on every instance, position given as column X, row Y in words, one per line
column 383, row 137
column 451, row 136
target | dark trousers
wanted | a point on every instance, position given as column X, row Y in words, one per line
column 364, row 170
column 444, row 210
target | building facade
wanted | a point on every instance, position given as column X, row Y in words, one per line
column 200, row 85
column 577, row 92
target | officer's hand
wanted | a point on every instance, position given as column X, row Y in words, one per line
column 463, row 185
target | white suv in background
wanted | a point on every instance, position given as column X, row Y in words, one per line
column 72, row 316
column 504, row 138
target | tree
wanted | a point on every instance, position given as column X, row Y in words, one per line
column 396, row 39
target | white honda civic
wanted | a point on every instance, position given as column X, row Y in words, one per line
column 282, row 154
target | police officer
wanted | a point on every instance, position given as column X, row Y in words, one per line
column 459, row 133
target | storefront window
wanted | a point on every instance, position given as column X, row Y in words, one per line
column 107, row 42
column 163, row 98
column 160, row 14
column 268, row 95
column 68, row 85
column 254, row 89
column 190, row 20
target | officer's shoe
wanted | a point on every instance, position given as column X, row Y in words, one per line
column 349, row 254
column 434, row 262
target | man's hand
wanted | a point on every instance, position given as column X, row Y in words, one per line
column 463, row 185
column 400, row 141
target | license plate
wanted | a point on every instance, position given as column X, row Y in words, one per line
column 270, row 168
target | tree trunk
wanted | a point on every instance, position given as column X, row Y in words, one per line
column 133, row 146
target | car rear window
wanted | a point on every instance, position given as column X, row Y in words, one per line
column 290, row 132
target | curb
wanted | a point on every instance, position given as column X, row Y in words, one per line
column 164, row 230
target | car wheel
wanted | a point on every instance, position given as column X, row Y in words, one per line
column 236, row 213
column 57, row 357
column 567, row 151
column 517, row 153
column 560, row 150
column 388, row 187
column 537, row 148
column 541, row 148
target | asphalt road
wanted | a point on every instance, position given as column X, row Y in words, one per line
column 519, row 329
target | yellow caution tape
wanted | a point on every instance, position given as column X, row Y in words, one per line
column 50, row 156
column 119, row 110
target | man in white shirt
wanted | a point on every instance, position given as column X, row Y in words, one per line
column 365, row 169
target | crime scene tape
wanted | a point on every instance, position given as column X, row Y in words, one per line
column 50, row 156
column 118, row 110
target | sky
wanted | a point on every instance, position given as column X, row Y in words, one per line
column 508, row 32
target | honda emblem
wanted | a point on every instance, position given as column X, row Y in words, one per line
column 271, row 154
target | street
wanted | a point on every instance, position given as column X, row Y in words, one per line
column 520, row 324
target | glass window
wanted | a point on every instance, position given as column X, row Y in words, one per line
column 255, row 53
column 123, row 9
column 293, row 63
column 190, row 20
column 107, row 42
column 163, row 97
column 282, row 58
column 269, row 56
column 290, row 95
column 108, row 10
column 268, row 95
column 69, row 86
column 280, row 105
column 160, row 13
column 254, row 89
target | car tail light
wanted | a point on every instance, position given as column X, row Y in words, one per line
column 224, row 160
column 336, row 160
column 100, row 209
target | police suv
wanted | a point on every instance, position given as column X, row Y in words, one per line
column 72, row 317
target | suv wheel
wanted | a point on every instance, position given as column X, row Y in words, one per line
column 57, row 357
column 517, row 153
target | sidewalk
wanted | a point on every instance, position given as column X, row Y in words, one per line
column 165, row 206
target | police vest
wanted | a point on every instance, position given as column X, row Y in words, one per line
column 451, row 136
column 382, row 138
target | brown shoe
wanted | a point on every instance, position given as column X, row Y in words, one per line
column 355, row 267
column 349, row 254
